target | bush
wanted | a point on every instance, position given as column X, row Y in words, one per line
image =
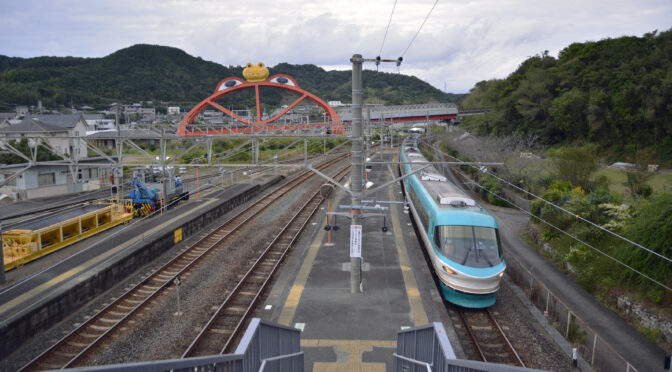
column 636, row 183
column 574, row 165
column 652, row 228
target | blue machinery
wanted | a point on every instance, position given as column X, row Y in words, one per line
column 145, row 201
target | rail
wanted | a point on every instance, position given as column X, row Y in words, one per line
column 235, row 309
column 265, row 344
column 483, row 329
column 75, row 345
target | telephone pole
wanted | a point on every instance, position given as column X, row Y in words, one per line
column 356, row 171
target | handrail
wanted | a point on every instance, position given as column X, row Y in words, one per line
column 427, row 365
column 280, row 357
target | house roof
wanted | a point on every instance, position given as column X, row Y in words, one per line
column 29, row 125
column 63, row 121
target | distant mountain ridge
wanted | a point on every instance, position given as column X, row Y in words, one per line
column 159, row 73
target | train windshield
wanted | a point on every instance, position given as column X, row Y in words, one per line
column 471, row 246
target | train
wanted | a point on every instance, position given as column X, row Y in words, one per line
column 145, row 201
column 460, row 237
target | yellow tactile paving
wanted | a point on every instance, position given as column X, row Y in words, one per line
column 289, row 309
column 354, row 348
column 414, row 299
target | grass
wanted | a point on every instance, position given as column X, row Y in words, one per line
column 660, row 182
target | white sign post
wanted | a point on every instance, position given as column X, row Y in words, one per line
column 355, row 241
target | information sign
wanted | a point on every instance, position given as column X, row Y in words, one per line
column 356, row 241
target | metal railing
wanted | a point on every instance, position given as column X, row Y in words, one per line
column 427, row 349
column 265, row 345
column 595, row 350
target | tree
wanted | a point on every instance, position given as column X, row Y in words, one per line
column 575, row 165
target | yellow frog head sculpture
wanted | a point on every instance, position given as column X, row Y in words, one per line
column 254, row 73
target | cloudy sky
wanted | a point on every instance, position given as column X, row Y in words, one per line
column 461, row 43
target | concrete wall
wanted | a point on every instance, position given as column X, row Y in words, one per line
column 94, row 283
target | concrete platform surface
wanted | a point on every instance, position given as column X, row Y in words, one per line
column 356, row 332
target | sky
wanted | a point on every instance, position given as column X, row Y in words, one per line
column 461, row 43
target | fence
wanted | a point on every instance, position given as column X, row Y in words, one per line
column 597, row 352
column 275, row 347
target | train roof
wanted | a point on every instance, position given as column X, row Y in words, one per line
column 443, row 192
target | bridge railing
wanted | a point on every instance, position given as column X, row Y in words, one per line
column 427, row 349
column 265, row 345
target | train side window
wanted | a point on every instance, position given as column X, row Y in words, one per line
column 424, row 217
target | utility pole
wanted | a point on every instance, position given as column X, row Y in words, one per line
column 356, row 170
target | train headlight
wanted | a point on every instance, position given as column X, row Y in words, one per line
column 449, row 270
column 500, row 274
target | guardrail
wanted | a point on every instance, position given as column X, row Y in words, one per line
column 265, row 345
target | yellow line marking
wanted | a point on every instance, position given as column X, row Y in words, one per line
column 414, row 299
column 292, row 302
column 39, row 289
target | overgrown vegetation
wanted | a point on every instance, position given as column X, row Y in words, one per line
column 616, row 93
column 567, row 177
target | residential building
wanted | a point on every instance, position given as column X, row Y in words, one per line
column 64, row 134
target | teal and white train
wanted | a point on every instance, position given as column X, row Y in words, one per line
column 461, row 238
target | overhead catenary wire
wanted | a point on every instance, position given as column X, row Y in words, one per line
column 571, row 236
column 579, row 217
column 387, row 29
column 416, row 34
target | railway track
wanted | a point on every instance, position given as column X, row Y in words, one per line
column 224, row 326
column 110, row 321
column 488, row 337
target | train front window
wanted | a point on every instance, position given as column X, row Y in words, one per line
column 469, row 245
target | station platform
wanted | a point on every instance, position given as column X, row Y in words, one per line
column 33, row 300
column 356, row 332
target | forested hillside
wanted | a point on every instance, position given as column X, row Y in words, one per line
column 613, row 92
column 157, row 73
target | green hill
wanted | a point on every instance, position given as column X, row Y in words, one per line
column 614, row 92
column 158, row 73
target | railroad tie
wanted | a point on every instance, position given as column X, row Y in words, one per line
column 77, row 344
column 88, row 335
column 64, row 354
column 220, row 331
column 481, row 328
column 99, row 328
column 106, row 320
column 235, row 309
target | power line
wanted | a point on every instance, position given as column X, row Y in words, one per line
column 388, row 28
column 575, row 215
column 571, row 236
column 423, row 23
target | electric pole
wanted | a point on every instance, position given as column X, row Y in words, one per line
column 356, row 173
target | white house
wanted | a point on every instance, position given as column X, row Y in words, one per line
column 63, row 133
